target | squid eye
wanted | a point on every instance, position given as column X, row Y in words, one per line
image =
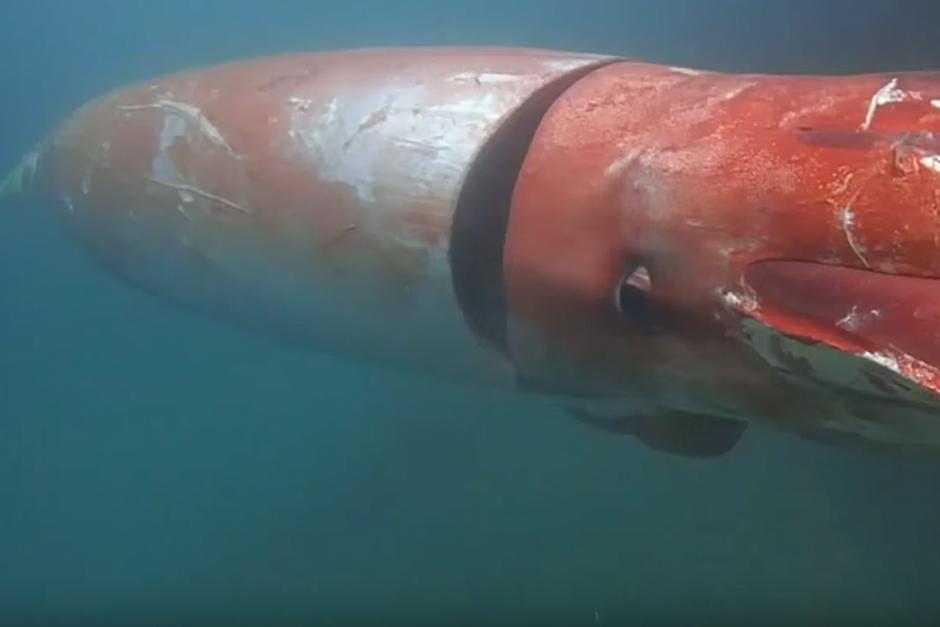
column 632, row 299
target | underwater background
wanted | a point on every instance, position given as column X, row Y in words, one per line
column 160, row 468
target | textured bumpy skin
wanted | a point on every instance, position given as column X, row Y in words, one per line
column 786, row 227
column 671, row 253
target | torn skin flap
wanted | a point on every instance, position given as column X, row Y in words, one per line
column 848, row 308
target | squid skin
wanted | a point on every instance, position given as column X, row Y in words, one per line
column 669, row 253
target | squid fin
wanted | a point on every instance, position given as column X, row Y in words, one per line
column 671, row 431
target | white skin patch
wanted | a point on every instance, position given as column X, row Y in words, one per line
column 300, row 104
column 855, row 319
column 349, row 139
column 484, row 78
column 164, row 170
column 188, row 112
column 888, row 94
column 178, row 118
column 884, row 360
column 931, row 162
column 848, row 224
column 739, row 302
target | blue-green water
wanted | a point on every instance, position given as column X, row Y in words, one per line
column 156, row 467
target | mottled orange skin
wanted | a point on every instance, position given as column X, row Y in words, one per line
column 698, row 176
